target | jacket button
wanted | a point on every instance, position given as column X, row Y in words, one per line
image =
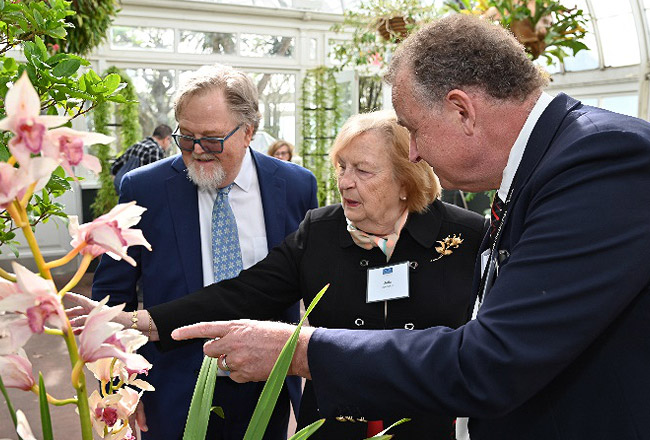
column 359, row 322
column 409, row 326
column 413, row 265
column 364, row 263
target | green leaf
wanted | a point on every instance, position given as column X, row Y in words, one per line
column 66, row 68
column 111, row 82
column 46, row 419
column 199, row 413
column 10, row 64
column 307, row 431
column 12, row 411
column 381, row 435
column 218, row 411
column 273, row 385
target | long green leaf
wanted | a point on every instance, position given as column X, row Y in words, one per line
column 12, row 411
column 272, row 387
column 307, row 431
column 46, row 419
column 199, row 413
column 382, row 436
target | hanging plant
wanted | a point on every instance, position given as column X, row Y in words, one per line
column 321, row 120
column 545, row 27
column 376, row 28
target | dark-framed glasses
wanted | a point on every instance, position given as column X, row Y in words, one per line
column 208, row 144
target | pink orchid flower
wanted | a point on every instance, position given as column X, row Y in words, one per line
column 67, row 145
column 110, row 233
column 15, row 181
column 16, row 371
column 23, row 108
column 105, row 370
column 37, row 299
column 101, row 338
column 14, row 333
column 22, row 427
column 109, row 415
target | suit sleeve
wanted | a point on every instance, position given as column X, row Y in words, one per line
column 581, row 259
column 259, row 292
column 118, row 279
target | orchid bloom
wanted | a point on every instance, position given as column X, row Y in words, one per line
column 23, row 107
column 110, row 233
column 15, row 181
column 109, row 415
column 14, row 333
column 101, row 338
column 22, row 426
column 16, row 371
column 107, row 369
column 67, row 145
column 37, row 299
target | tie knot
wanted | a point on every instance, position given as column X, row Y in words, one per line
column 225, row 190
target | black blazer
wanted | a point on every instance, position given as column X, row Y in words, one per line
column 560, row 348
column 321, row 252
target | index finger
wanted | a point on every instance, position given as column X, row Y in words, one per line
column 202, row 330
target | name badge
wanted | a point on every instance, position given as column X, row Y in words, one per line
column 388, row 282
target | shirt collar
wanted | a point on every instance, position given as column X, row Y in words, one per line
column 517, row 151
column 244, row 179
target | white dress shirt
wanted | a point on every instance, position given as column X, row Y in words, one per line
column 246, row 202
column 514, row 159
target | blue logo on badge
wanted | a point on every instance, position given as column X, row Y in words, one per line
column 387, row 271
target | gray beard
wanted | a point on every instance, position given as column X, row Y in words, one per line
column 206, row 178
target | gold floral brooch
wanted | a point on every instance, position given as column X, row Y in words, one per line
column 446, row 246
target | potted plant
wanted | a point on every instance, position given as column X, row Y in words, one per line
column 545, row 27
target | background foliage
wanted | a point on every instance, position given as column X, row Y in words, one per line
column 63, row 81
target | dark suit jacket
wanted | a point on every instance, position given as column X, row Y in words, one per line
column 321, row 252
column 560, row 347
column 173, row 268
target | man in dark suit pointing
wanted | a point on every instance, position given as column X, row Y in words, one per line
column 559, row 347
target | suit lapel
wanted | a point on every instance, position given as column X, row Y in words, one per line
column 540, row 140
column 273, row 192
column 184, row 207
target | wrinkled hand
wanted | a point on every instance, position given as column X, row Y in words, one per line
column 138, row 420
column 82, row 307
column 251, row 347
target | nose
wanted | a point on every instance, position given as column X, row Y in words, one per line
column 198, row 149
column 346, row 181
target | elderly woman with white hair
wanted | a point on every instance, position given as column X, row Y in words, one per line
column 396, row 257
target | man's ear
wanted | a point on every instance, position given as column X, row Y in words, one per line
column 463, row 110
column 248, row 134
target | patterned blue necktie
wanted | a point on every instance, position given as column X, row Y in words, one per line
column 226, row 253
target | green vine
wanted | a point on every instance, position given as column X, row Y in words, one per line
column 130, row 132
column 321, row 120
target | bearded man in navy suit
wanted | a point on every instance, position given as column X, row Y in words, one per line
column 217, row 113
column 560, row 344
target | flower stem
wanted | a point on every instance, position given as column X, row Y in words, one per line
column 53, row 401
column 31, row 240
column 28, row 195
column 64, row 260
column 85, row 262
column 6, row 275
column 53, row 331
column 79, row 383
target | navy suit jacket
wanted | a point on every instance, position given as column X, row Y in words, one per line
column 560, row 348
column 173, row 268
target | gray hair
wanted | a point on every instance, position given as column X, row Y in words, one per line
column 239, row 90
column 461, row 51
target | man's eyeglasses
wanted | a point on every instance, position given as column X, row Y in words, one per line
column 208, row 144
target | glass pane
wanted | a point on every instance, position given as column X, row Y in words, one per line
column 585, row 59
column 313, row 48
column 255, row 45
column 129, row 37
column 207, row 43
column 625, row 104
column 155, row 90
column 277, row 105
column 589, row 101
column 609, row 8
column 619, row 40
